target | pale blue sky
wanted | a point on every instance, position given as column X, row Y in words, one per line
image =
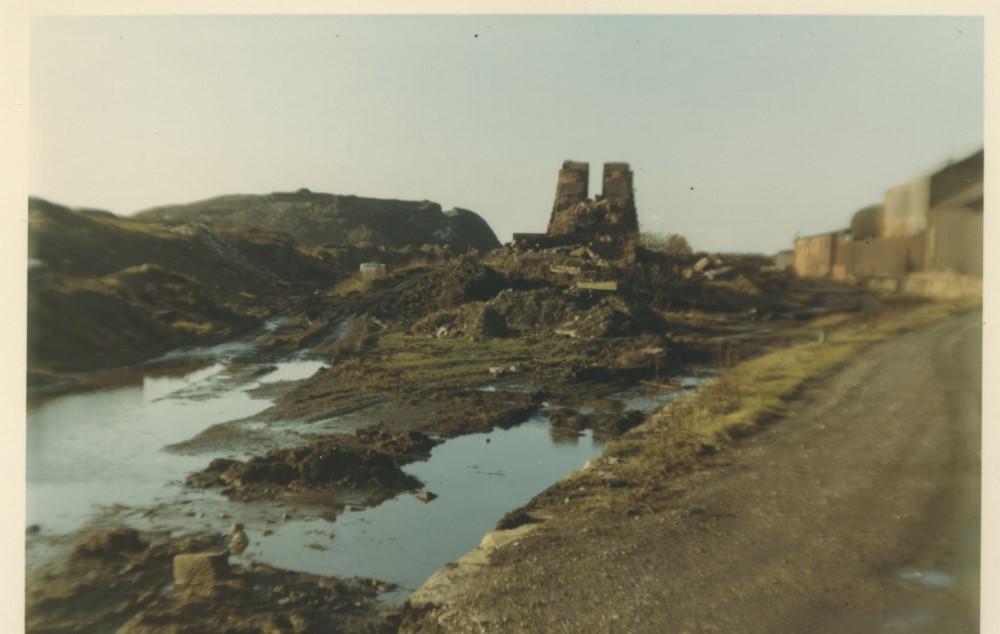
column 742, row 131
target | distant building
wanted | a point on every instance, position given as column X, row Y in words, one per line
column 933, row 222
column 784, row 259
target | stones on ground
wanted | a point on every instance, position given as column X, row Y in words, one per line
column 501, row 370
column 576, row 313
column 238, row 540
column 425, row 496
column 200, row 572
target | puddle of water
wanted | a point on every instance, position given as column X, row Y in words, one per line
column 105, row 448
column 933, row 578
column 906, row 622
column 293, row 371
column 404, row 541
column 647, row 401
column 518, row 388
column 155, row 387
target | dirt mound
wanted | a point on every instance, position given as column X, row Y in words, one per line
column 318, row 218
column 478, row 411
column 111, row 291
column 541, row 312
column 510, row 312
column 537, row 310
column 613, row 316
column 475, row 321
column 414, row 293
column 366, row 460
column 570, row 423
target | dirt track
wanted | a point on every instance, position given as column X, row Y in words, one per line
column 856, row 512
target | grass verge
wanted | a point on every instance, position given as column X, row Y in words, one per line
column 756, row 391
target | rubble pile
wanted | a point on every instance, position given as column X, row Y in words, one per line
column 367, row 459
column 546, row 311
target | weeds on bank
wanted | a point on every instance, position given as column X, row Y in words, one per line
column 754, row 392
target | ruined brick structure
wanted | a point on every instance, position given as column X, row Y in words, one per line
column 611, row 214
column 571, row 188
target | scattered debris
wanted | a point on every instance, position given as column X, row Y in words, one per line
column 425, row 496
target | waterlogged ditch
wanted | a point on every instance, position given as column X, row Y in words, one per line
column 105, row 448
column 477, row 478
column 91, row 452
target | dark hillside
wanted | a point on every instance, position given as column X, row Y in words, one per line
column 105, row 291
column 316, row 218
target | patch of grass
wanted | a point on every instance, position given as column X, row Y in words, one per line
column 754, row 392
column 418, row 360
column 79, row 284
column 184, row 325
column 349, row 285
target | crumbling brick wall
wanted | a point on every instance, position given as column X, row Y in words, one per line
column 613, row 213
column 571, row 189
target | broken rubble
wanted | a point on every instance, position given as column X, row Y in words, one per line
column 425, row 496
column 199, row 572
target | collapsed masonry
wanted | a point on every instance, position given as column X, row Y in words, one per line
column 612, row 212
column 608, row 222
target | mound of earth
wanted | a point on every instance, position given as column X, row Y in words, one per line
column 105, row 291
column 367, row 460
column 317, row 218
column 417, row 292
column 480, row 412
column 544, row 311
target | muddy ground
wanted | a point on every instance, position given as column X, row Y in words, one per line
column 429, row 353
column 857, row 511
column 122, row 580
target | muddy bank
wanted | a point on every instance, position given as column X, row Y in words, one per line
column 570, row 423
column 758, row 512
column 367, row 462
column 126, row 581
column 469, row 360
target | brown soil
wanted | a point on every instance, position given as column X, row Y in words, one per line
column 367, row 461
column 834, row 518
column 571, row 423
column 449, row 347
column 121, row 581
